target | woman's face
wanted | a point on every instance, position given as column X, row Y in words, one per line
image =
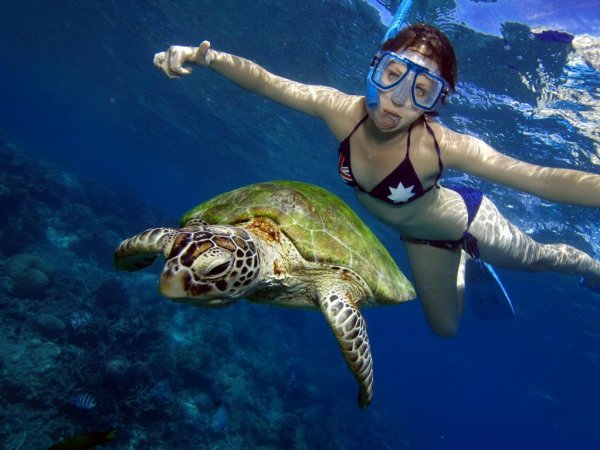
column 395, row 110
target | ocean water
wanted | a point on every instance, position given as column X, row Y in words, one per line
column 97, row 145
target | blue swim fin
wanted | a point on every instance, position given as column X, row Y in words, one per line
column 485, row 292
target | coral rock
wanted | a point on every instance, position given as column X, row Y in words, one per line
column 30, row 274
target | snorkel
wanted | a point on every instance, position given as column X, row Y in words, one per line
column 372, row 97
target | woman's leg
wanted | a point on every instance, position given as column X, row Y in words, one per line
column 501, row 243
column 439, row 273
column 435, row 273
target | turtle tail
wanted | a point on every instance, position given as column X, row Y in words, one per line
column 140, row 251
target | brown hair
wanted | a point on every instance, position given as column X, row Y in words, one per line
column 436, row 43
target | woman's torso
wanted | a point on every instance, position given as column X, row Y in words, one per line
column 436, row 214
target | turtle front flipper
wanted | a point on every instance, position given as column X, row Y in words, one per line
column 350, row 330
column 141, row 250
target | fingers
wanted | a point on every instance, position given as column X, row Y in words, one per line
column 201, row 55
column 161, row 60
column 177, row 56
column 171, row 62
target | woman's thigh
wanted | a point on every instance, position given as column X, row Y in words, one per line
column 435, row 273
column 501, row 243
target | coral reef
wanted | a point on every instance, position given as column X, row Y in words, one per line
column 30, row 274
column 168, row 376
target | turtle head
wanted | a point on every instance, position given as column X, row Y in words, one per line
column 210, row 265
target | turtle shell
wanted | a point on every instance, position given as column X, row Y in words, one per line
column 322, row 227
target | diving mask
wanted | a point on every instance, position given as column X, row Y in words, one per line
column 396, row 73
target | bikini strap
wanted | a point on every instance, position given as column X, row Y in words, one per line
column 437, row 150
column 358, row 125
column 408, row 140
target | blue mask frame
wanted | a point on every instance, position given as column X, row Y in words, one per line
column 373, row 87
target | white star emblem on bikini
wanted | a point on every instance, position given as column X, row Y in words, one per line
column 401, row 193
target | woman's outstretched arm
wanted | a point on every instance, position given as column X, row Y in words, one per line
column 325, row 102
column 474, row 156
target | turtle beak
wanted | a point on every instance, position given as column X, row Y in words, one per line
column 173, row 285
column 177, row 288
column 177, row 282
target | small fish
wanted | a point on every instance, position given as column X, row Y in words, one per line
column 84, row 401
column 84, row 441
column 220, row 418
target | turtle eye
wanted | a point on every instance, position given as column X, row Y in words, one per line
column 218, row 270
column 213, row 264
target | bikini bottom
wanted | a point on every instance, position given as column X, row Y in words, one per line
column 468, row 242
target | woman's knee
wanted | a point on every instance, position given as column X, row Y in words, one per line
column 442, row 313
column 549, row 256
column 444, row 328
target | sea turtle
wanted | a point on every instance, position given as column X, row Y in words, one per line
column 282, row 243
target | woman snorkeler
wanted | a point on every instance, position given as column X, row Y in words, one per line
column 393, row 154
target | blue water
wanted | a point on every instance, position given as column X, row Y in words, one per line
column 101, row 145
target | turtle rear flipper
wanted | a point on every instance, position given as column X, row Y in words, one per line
column 140, row 251
column 350, row 330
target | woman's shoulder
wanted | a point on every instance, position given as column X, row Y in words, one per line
column 346, row 113
column 448, row 139
column 352, row 106
column 428, row 129
column 436, row 126
column 452, row 144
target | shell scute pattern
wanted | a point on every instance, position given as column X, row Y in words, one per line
column 226, row 243
column 322, row 228
column 193, row 253
column 241, row 243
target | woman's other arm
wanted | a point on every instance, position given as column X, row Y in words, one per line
column 472, row 155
